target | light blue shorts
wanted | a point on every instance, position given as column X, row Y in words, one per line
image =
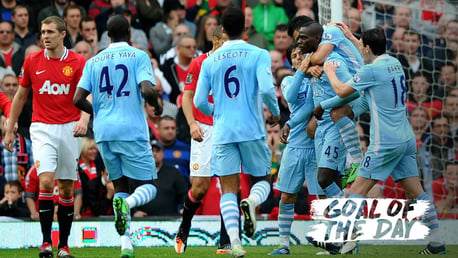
column 133, row 159
column 253, row 156
column 397, row 160
column 297, row 165
column 329, row 147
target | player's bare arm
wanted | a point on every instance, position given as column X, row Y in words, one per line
column 196, row 131
column 16, row 108
column 81, row 102
column 151, row 96
column 80, row 128
column 342, row 89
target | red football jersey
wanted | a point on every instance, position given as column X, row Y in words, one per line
column 191, row 84
column 53, row 81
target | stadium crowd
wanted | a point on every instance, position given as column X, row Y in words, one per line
column 422, row 35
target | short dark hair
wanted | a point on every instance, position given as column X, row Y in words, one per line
column 118, row 27
column 281, row 27
column 15, row 183
column 296, row 23
column 233, row 22
column 376, row 40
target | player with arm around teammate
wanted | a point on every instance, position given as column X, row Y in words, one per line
column 118, row 79
column 392, row 148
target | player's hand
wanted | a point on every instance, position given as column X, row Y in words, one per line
column 315, row 71
column 80, row 128
column 318, row 112
column 76, row 216
column 197, row 133
column 345, row 29
column 330, row 67
column 305, row 64
column 9, row 141
column 35, row 216
column 284, row 134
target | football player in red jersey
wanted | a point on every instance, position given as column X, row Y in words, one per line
column 52, row 74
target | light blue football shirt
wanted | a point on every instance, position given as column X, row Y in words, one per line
column 296, row 95
column 322, row 89
column 343, row 46
column 113, row 77
column 385, row 90
column 239, row 77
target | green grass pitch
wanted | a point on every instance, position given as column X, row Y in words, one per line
column 388, row 251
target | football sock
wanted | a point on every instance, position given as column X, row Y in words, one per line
column 191, row 205
column 259, row 192
column 65, row 218
column 231, row 215
column 285, row 219
column 350, row 137
column 46, row 210
column 430, row 220
column 142, row 195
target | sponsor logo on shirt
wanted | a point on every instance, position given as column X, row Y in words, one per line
column 327, row 36
column 55, row 88
column 67, row 70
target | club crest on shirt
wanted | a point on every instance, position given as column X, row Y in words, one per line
column 356, row 78
column 177, row 154
column 195, row 166
column 189, row 78
column 67, row 70
column 37, row 163
column 21, row 74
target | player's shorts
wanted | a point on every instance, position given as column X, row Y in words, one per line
column 254, row 157
column 329, row 147
column 200, row 156
column 133, row 159
column 55, row 149
column 297, row 165
column 397, row 160
column 359, row 106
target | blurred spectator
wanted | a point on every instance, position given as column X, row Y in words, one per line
column 306, row 12
column 56, row 9
column 397, row 44
column 437, row 149
column 6, row 9
column 176, row 152
column 150, row 12
column 12, row 54
column 353, row 21
column 427, row 13
column 377, row 15
column 99, row 195
column 31, row 195
column 411, row 58
column 445, row 192
column 101, row 10
column 171, row 188
column 401, row 19
column 282, row 41
column 87, row 165
column 88, row 31
column 275, row 146
column 72, row 17
column 447, row 80
column 276, row 59
column 209, row 7
column 83, row 48
column 420, row 94
column 204, row 37
column 419, row 119
column 12, row 205
column 175, row 69
column 138, row 37
column 450, row 109
column 266, row 17
column 24, row 36
column 445, row 48
column 254, row 37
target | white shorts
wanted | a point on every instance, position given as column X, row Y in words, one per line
column 200, row 160
column 55, row 149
